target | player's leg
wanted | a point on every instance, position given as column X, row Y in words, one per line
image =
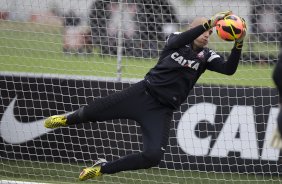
column 155, row 122
column 116, row 106
column 155, row 125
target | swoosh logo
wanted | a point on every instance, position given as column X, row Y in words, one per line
column 15, row 132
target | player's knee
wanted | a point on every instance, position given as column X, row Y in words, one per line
column 153, row 157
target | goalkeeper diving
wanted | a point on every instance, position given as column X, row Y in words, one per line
column 152, row 101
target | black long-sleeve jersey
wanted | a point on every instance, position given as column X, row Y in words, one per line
column 179, row 67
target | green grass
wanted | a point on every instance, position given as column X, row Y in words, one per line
column 33, row 48
column 68, row 173
column 246, row 75
column 34, row 51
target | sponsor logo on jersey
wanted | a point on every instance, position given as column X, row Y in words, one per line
column 185, row 62
column 201, row 55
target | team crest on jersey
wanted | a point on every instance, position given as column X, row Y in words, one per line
column 201, row 55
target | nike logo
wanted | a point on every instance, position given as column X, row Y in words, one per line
column 14, row 132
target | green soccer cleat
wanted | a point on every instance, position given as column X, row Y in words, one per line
column 56, row 121
column 92, row 172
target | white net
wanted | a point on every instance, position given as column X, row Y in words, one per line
column 56, row 56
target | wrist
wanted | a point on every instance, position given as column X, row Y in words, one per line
column 238, row 44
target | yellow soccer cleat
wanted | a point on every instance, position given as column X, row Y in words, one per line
column 55, row 121
column 92, row 172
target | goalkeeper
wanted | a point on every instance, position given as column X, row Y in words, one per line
column 151, row 102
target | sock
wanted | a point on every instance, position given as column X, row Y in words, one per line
column 129, row 162
column 76, row 117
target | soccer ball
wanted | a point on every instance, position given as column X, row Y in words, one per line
column 230, row 28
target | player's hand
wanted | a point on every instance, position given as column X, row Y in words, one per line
column 214, row 19
column 219, row 16
column 239, row 41
column 242, row 37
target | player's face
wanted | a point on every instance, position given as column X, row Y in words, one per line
column 203, row 39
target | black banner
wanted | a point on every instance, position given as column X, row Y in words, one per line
column 218, row 128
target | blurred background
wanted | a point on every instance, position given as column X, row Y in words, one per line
column 53, row 30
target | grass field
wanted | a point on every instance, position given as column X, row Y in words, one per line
column 68, row 173
column 33, row 48
column 37, row 49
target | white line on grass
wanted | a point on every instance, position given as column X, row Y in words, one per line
column 18, row 182
column 63, row 76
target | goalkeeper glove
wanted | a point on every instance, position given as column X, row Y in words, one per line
column 239, row 41
column 214, row 19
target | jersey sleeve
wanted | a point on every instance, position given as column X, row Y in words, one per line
column 180, row 39
column 216, row 62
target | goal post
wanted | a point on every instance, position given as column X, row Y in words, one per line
column 56, row 56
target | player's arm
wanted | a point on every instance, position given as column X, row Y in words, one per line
column 218, row 64
column 177, row 40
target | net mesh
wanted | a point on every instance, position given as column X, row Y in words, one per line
column 56, row 56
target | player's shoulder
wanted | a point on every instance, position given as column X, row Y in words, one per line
column 176, row 33
column 208, row 50
column 172, row 35
column 211, row 54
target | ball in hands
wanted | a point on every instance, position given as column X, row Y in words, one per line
column 230, row 28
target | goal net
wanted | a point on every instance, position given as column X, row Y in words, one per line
column 57, row 56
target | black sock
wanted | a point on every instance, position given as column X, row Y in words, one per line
column 129, row 162
column 76, row 117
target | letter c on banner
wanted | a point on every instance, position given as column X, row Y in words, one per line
column 186, row 137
